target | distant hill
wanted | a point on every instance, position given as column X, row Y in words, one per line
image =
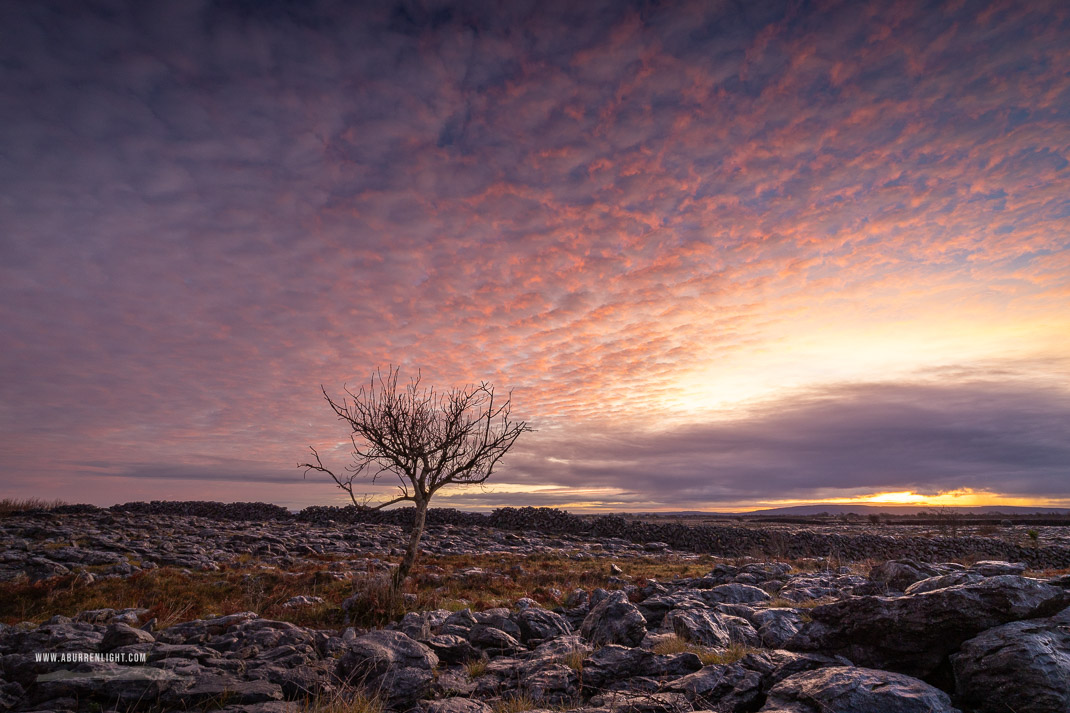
column 840, row 509
column 903, row 510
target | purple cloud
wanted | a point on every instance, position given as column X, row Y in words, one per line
column 210, row 209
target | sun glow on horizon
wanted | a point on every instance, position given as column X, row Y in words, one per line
column 965, row 497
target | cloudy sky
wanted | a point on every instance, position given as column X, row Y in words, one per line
column 725, row 254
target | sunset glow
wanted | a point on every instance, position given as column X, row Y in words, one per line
column 726, row 256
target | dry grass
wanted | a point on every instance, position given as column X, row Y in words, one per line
column 9, row 506
column 515, row 704
column 574, row 660
column 357, row 702
column 172, row 596
column 245, row 584
column 1045, row 573
column 706, row 654
column 476, row 668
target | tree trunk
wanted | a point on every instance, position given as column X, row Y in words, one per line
column 414, row 545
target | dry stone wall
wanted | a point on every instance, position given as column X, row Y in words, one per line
column 720, row 540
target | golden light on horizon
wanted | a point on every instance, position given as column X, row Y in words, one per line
column 902, row 498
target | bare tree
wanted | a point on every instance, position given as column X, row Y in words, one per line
column 428, row 439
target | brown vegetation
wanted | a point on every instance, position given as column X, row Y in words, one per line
column 450, row 582
column 9, row 506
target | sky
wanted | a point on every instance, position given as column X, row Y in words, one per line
column 725, row 255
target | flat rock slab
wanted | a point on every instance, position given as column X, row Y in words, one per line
column 849, row 689
column 1022, row 666
column 915, row 634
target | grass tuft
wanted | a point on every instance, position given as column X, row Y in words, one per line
column 476, row 668
column 574, row 660
column 358, row 701
column 515, row 704
column 706, row 654
column 10, row 506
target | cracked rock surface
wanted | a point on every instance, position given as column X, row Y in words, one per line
column 914, row 634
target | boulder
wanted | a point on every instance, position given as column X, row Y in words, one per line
column 736, row 593
column 776, row 664
column 456, row 705
column 453, row 649
column 106, row 682
column 720, row 687
column 494, row 641
column 563, row 648
column 553, row 684
column 900, row 574
column 538, row 625
column 740, row 631
column 943, row 581
column 994, row 568
column 415, row 625
column 698, row 626
column 640, row 702
column 215, row 688
column 302, row 600
column 118, row 635
column 391, row 664
column 1021, row 666
column 614, row 620
column 459, row 623
column 914, row 634
column 655, row 608
column 499, row 618
column 849, row 689
column 613, row 664
column 777, row 625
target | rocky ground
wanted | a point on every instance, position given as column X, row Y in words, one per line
column 739, row 632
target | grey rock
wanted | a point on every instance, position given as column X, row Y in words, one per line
column 943, row 581
column 552, row 684
column 614, row 620
column 416, row 625
column 777, row 625
column 720, row 687
column 265, row 707
column 538, row 625
column 1021, row 666
column 124, row 635
column 494, row 641
column 900, row 574
column 994, row 568
column 776, row 664
column 215, row 688
column 459, row 623
column 843, row 689
column 456, row 705
column 634, row 702
column 655, row 608
column 302, row 600
column 106, row 682
column 391, row 664
column 740, row 631
column 498, row 618
column 914, row 634
column 303, row 682
column 453, row 682
column 736, row 593
column 453, row 649
column 560, row 649
column 698, row 626
column 613, row 664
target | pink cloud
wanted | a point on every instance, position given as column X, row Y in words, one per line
column 199, row 233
